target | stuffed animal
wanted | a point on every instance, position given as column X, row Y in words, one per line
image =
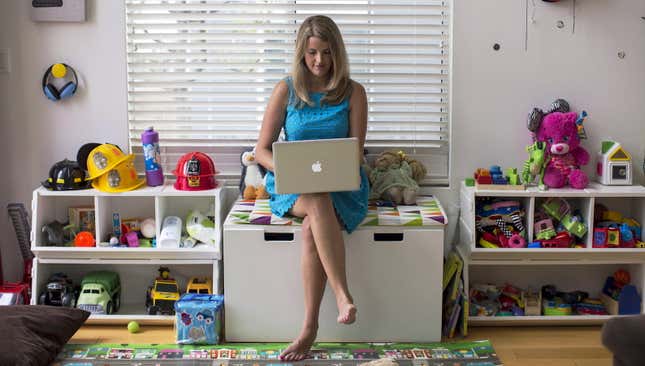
column 253, row 181
column 559, row 132
column 395, row 177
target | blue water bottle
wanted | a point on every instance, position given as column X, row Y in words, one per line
column 150, row 142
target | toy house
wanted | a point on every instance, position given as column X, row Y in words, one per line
column 614, row 164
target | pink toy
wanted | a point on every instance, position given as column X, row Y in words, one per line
column 560, row 133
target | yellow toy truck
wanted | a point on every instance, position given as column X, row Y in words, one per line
column 197, row 285
column 161, row 296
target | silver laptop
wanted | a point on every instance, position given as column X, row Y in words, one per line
column 313, row 166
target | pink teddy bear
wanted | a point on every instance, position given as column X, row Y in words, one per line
column 560, row 133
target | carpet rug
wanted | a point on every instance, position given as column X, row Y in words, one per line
column 477, row 353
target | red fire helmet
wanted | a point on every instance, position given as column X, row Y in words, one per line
column 195, row 172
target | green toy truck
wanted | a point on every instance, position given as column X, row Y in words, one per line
column 100, row 292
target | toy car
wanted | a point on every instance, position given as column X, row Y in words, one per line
column 100, row 292
column 199, row 285
column 161, row 296
column 59, row 292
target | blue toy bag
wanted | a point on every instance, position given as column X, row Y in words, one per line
column 197, row 318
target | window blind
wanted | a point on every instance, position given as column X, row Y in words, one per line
column 201, row 72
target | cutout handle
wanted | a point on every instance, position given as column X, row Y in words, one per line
column 278, row 236
column 388, row 237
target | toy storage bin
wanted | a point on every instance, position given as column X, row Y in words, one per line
column 630, row 208
column 135, row 276
column 172, row 202
column 394, row 275
column 565, row 275
column 583, row 205
column 48, row 206
column 128, row 207
column 481, row 202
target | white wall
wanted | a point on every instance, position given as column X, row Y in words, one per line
column 492, row 91
column 37, row 132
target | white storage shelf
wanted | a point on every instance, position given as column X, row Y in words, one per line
column 568, row 268
column 629, row 200
column 137, row 267
column 149, row 202
column 135, row 275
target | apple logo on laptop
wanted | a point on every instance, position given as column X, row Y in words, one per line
column 316, row 167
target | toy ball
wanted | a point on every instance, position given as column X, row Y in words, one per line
column 114, row 240
column 148, row 228
column 133, row 327
column 59, row 70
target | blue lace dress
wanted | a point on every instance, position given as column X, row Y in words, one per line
column 314, row 123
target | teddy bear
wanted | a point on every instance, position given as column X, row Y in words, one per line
column 559, row 132
column 395, row 177
column 253, row 181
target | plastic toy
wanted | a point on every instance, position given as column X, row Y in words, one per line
column 534, row 166
column 148, row 228
column 499, row 224
column 562, row 240
column 197, row 319
column 195, row 171
column 133, row 327
column 18, row 293
column 614, row 164
column 56, row 233
column 121, row 178
column 132, row 239
column 253, row 181
column 544, row 229
column 619, row 296
column 533, row 303
column 395, row 177
column 560, row 210
column 100, row 292
column 200, row 227
column 84, row 239
column 494, row 179
column 102, row 158
column 198, row 285
column 170, row 232
column 161, row 296
column 59, row 291
column 66, row 175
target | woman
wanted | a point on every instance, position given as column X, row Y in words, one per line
column 318, row 101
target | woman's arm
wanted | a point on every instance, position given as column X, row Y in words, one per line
column 358, row 115
column 272, row 124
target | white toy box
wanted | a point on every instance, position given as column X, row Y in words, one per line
column 394, row 274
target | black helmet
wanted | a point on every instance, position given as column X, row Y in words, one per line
column 66, row 175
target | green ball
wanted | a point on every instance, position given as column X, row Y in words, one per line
column 133, row 327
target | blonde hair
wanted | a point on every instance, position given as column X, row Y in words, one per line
column 339, row 85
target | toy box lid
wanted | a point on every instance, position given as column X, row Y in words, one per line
column 199, row 300
column 427, row 212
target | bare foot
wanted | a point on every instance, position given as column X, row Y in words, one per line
column 346, row 313
column 299, row 349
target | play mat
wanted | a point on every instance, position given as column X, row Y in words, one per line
column 477, row 353
column 427, row 212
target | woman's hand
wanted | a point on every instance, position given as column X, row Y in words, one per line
column 272, row 124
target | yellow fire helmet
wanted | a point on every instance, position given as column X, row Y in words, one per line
column 104, row 158
column 122, row 178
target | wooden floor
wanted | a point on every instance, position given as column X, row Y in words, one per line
column 516, row 346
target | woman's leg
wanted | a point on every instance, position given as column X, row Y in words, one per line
column 328, row 238
column 313, row 278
